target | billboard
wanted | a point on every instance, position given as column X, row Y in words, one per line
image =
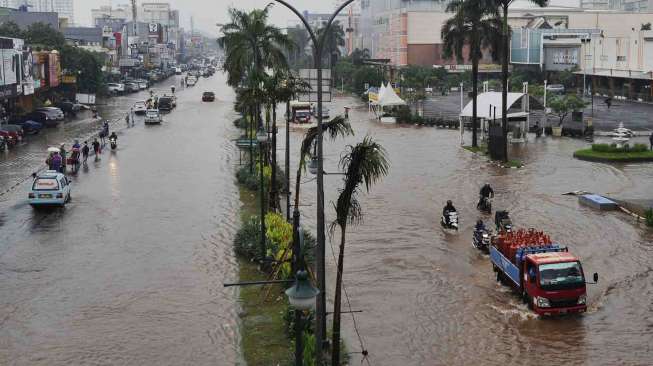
column 54, row 69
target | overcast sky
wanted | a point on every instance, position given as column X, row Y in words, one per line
column 209, row 12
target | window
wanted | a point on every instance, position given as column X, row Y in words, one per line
column 621, row 58
column 45, row 184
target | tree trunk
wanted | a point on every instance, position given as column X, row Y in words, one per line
column 273, row 178
column 335, row 353
column 504, row 76
column 251, row 142
column 474, row 93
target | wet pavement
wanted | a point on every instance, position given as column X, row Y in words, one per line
column 131, row 271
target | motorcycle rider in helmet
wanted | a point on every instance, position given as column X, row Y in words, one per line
column 445, row 211
column 113, row 136
column 480, row 226
column 486, row 192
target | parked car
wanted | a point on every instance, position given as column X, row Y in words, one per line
column 116, row 88
column 11, row 134
column 37, row 116
column 152, row 116
column 208, row 96
column 31, row 127
column 52, row 113
column 132, row 87
column 142, row 84
column 69, row 108
column 49, row 188
column 140, row 108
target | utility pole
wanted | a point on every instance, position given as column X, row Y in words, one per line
column 134, row 12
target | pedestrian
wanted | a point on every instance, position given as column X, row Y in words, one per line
column 650, row 139
column 127, row 119
column 85, row 150
column 131, row 115
column 608, row 101
column 55, row 162
column 347, row 113
column 96, row 149
column 62, row 152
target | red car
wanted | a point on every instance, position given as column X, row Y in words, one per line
column 12, row 134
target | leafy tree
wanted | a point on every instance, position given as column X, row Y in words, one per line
column 333, row 41
column 41, row 34
column 364, row 165
column 359, row 55
column 567, row 78
column 564, row 105
column 11, row 29
column 365, row 74
column 251, row 44
column 476, row 24
column 85, row 65
column 297, row 56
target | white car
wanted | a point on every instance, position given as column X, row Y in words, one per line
column 49, row 188
column 191, row 81
column 142, row 84
column 116, row 88
column 153, row 116
column 140, row 108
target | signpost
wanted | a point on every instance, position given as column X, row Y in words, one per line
column 310, row 77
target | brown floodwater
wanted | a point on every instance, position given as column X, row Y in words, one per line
column 429, row 298
column 131, row 271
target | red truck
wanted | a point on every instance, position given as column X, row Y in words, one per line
column 547, row 277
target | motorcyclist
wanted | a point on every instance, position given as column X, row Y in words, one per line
column 113, row 136
column 480, row 226
column 447, row 209
column 485, row 193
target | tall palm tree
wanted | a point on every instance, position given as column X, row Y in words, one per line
column 249, row 40
column 503, row 5
column 249, row 98
column 476, row 24
column 363, row 164
column 333, row 40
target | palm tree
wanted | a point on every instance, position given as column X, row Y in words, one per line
column 365, row 163
column 475, row 23
column 503, row 5
column 248, row 100
column 250, row 41
column 333, row 40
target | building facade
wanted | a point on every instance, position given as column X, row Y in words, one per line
column 64, row 8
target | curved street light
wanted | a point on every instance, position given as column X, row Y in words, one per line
column 320, row 314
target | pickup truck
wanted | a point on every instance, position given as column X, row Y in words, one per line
column 547, row 277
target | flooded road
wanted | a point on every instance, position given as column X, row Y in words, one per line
column 429, row 298
column 131, row 271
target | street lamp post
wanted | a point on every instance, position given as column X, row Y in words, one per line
column 262, row 138
column 320, row 316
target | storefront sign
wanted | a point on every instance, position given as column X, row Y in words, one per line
column 54, row 69
column 69, row 79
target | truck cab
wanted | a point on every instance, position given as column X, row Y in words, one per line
column 554, row 283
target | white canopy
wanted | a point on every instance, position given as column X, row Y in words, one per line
column 491, row 99
column 388, row 97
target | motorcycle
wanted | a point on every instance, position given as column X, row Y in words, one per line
column 113, row 143
column 502, row 221
column 450, row 221
column 484, row 205
column 481, row 240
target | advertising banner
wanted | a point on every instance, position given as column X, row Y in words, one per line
column 54, row 69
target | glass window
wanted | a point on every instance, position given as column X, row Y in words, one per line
column 561, row 275
column 45, row 184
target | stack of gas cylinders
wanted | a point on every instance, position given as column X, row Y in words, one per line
column 509, row 242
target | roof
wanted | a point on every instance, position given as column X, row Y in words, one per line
column 25, row 19
column 388, row 97
column 553, row 257
column 491, row 99
column 88, row 34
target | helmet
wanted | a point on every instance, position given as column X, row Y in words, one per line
column 449, row 203
column 479, row 222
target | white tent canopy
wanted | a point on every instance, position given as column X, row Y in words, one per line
column 490, row 100
column 389, row 98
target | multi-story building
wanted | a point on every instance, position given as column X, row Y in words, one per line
column 104, row 13
column 623, row 5
column 65, row 8
column 24, row 19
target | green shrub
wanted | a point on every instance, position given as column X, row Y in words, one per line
column 241, row 122
column 247, row 239
column 649, row 217
column 612, row 148
column 289, row 320
column 248, row 179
